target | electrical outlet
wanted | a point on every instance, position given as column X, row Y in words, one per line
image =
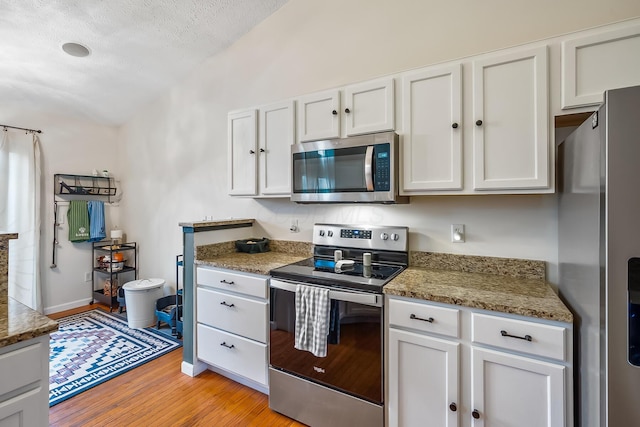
column 457, row 233
column 294, row 226
column 87, row 276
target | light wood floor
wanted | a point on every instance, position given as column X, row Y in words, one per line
column 159, row 394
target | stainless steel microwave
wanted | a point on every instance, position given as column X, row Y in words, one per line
column 358, row 169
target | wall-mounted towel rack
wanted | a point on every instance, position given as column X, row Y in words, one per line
column 84, row 185
column 69, row 187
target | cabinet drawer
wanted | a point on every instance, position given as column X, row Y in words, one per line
column 425, row 317
column 232, row 353
column 231, row 313
column 520, row 335
column 21, row 367
column 227, row 280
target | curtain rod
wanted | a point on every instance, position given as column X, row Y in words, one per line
column 25, row 129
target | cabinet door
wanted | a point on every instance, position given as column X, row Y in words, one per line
column 25, row 410
column 515, row 391
column 593, row 64
column 277, row 130
column 432, row 113
column 319, row 116
column 423, row 380
column 369, row 107
column 242, row 142
column 510, row 111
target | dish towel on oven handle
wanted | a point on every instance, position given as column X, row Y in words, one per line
column 312, row 319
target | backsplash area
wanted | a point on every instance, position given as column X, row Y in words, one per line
column 521, row 268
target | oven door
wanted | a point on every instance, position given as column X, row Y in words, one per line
column 354, row 352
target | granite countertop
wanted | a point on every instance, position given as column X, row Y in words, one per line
column 501, row 293
column 223, row 255
column 20, row 323
column 498, row 284
column 261, row 263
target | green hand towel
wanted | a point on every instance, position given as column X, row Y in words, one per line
column 78, row 217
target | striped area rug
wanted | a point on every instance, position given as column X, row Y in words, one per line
column 92, row 347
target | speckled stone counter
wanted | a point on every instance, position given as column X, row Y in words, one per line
column 20, row 323
column 496, row 284
column 281, row 253
column 4, row 265
column 17, row 321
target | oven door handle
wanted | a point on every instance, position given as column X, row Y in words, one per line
column 374, row 300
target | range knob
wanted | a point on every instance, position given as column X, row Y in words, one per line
column 384, row 236
column 395, row 237
column 321, row 233
column 330, row 233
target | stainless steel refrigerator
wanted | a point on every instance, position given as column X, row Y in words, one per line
column 599, row 258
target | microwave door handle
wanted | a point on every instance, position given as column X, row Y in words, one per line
column 368, row 168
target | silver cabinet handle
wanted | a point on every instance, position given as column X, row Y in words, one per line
column 526, row 337
column 414, row 317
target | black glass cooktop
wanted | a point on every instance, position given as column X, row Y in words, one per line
column 323, row 272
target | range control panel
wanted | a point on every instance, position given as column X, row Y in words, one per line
column 354, row 233
column 362, row 236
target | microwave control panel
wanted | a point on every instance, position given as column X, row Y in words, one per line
column 382, row 167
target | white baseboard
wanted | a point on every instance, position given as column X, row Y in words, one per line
column 67, row 306
column 193, row 370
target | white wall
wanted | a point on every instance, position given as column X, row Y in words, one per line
column 174, row 153
column 75, row 147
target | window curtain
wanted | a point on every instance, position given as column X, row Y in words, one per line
column 20, row 213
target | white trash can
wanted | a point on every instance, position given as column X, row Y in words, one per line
column 141, row 296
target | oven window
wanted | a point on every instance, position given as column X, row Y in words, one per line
column 329, row 171
column 354, row 353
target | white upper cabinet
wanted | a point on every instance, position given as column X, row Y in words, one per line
column 260, row 150
column 598, row 62
column 431, row 151
column 277, row 134
column 319, row 116
column 368, row 107
column 242, row 142
column 511, row 116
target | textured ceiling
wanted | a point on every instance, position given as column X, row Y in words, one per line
column 139, row 49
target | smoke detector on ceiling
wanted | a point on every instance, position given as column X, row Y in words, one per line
column 76, row 49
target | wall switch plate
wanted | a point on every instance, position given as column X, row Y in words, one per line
column 457, row 233
column 87, row 276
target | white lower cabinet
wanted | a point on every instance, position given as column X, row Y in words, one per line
column 231, row 324
column 233, row 353
column 423, row 380
column 454, row 366
column 511, row 390
column 24, row 389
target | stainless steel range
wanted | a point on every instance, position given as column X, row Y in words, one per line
column 345, row 387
